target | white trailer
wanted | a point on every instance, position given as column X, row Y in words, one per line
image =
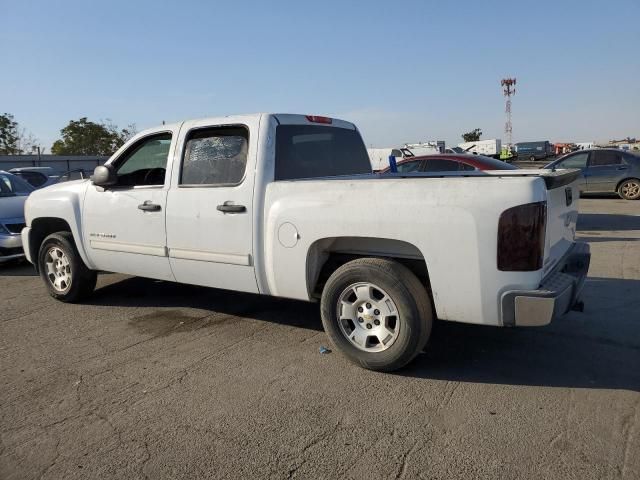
column 379, row 157
column 490, row 148
column 423, row 148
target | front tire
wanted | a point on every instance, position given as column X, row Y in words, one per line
column 629, row 189
column 61, row 268
column 377, row 313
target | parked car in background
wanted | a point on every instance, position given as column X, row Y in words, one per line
column 447, row 162
column 534, row 150
column 605, row 170
column 39, row 177
column 13, row 193
column 75, row 174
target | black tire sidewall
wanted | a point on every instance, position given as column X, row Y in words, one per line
column 408, row 343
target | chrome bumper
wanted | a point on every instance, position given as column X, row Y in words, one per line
column 558, row 293
column 10, row 247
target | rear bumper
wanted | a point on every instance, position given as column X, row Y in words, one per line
column 556, row 295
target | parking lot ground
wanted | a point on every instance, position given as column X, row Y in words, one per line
column 157, row 380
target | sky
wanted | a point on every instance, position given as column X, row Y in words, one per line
column 403, row 71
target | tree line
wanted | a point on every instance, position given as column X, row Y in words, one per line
column 79, row 137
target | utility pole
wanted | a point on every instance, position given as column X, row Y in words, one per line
column 508, row 90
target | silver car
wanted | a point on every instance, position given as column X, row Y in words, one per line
column 13, row 193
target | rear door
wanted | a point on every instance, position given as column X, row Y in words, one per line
column 606, row 168
column 209, row 207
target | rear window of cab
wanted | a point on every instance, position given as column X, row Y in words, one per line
column 312, row 151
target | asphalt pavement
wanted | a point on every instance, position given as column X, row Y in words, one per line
column 163, row 381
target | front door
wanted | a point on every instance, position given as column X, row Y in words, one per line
column 124, row 225
column 210, row 208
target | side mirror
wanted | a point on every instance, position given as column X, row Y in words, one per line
column 104, row 176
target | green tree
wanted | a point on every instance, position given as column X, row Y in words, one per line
column 83, row 137
column 9, row 135
column 472, row 136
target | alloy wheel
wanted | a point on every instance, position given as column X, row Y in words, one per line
column 368, row 317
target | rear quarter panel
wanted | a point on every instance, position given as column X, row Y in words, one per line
column 451, row 221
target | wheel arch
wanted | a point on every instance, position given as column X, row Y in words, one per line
column 326, row 255
column 42, row 227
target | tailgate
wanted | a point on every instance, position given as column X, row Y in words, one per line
column 563, row 193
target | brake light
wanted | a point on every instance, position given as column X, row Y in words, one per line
column 318, row 119
column 521, row 232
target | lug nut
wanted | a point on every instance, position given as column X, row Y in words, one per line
column 368, row 325
column 360, row 309
column 368, row 305
column 376, row 311
column 377, row 322
column 360, row 319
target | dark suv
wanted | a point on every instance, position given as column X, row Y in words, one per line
column 605, row 170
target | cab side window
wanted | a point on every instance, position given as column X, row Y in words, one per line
column 215, row 156
column 145, row 162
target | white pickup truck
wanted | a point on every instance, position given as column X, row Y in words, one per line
column 286, row 205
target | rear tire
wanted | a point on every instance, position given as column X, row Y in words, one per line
column 377, row 313
column 532, row 158
column 629, row 189
column 61, row 268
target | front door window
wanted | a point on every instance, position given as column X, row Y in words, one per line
column 145, row 162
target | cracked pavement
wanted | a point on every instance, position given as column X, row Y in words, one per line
column 157, row 380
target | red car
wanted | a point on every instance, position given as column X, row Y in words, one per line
column 450, row 163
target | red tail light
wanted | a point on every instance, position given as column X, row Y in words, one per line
column 318, row 119
column 521, row 232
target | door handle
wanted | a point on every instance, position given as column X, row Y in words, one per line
column 623, row 168
column 147, row 206
column 228, row 207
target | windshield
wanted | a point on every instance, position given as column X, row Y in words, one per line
column 10, row 186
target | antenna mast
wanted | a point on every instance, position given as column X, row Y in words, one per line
column 508, row 90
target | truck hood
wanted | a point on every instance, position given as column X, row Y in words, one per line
column 12, row 207
column 75, row 186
